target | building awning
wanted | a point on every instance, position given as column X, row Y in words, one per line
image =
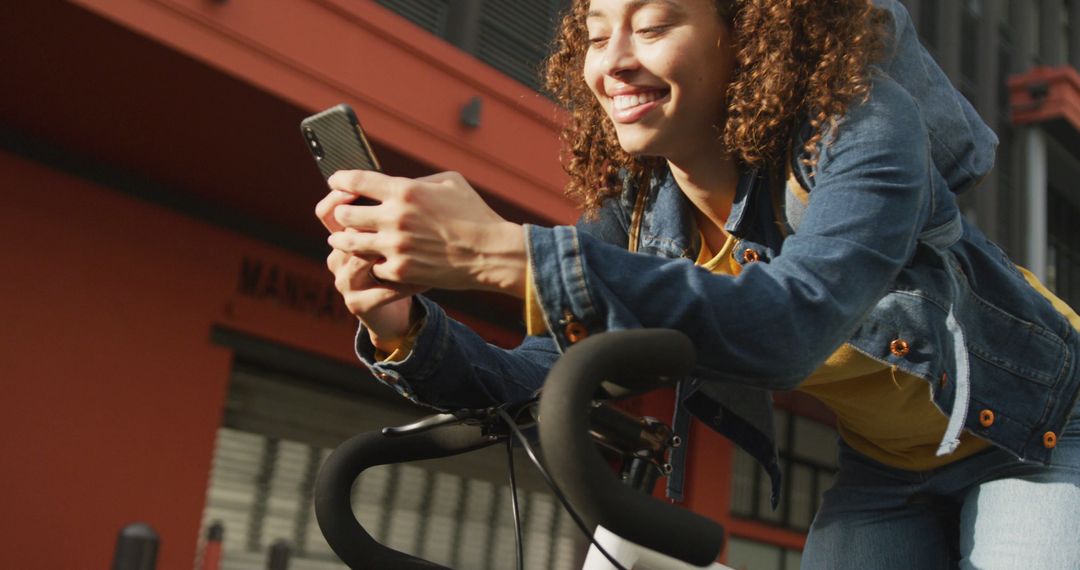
column 1049, row 97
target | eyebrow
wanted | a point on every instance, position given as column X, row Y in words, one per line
column 637, row 5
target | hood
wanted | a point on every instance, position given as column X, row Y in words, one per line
column 962, row 145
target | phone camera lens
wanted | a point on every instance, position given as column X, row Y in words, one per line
column 316, row 148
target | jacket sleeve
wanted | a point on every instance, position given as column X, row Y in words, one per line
column 451, row 367
column 771, row 326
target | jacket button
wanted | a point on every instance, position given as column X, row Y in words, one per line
column 899, row 347
column 1049, row 440
column 986, row 418
column 944, row 379
column 575, row 332
column 750, row 256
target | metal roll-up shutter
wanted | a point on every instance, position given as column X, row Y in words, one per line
column 278, row 429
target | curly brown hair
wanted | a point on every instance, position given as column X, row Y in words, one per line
column 795, row 60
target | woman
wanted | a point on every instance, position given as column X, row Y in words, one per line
column 805, row 154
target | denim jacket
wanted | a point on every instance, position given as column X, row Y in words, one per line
column 879, row 257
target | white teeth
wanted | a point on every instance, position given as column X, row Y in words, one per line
column 623, row 102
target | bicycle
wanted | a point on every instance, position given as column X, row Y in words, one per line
column 628, row 528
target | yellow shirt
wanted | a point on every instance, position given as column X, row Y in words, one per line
column 882, row 412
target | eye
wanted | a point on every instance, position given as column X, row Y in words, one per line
column 598, row 41
column 651, row 31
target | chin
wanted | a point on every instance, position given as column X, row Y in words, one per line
column 639, row 140
column 637, row 145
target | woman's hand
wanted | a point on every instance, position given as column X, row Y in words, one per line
column 434, row 231
column 384, row 308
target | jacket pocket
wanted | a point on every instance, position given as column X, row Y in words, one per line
column 1015, row 345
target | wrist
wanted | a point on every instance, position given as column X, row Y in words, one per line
column 504, row 260
column 385, row 344
column 390, row 338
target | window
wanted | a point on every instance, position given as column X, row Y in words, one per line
column 513, row 37
column 1063, row 275
column 428, row 14
column 278, row 429
column 969, row 41
column 929, row 15
column 808, row 459
column 745, row 554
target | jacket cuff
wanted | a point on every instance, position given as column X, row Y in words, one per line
column 559, row 283
column 534, row 314
column 402, row 352
column 412, row 370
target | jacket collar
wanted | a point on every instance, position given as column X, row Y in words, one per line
column 738, row 219
column 668, row 226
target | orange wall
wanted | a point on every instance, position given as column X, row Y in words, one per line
column 112, row 390
column 407, row 85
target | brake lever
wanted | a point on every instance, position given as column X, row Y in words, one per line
column 431, row 422
column 421, row 425
column 486, row 418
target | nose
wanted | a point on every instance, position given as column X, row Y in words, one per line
column 619, row 54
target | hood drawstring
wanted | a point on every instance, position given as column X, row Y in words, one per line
column 939, row 239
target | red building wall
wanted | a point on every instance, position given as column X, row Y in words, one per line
column 112, row 389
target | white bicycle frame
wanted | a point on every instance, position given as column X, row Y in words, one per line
column 633, row 556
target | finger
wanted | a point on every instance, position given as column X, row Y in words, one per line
column 360, row 303
column 336, row 259
column 369, row 183
column 440, row 177
column 352, row 277
column 363, row 218
column 356, row 243
column 361, row 273
column 324, row 210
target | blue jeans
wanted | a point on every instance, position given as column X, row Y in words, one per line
column 986, row 511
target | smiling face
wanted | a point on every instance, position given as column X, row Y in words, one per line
column 660, row 70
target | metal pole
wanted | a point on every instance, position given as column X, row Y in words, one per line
column 1052, row 32
column 136, row 548
column 1035, row 240
column 280, row 552
column 987, row 82
column 215, row 536
column 1023, row 21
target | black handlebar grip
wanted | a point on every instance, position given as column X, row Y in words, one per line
column 627, row 358
column 333, row 489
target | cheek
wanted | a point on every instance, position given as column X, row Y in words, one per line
column 591, row 73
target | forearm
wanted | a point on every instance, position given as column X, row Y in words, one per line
column 450, row 366
column 500, row 263
column 768, row 328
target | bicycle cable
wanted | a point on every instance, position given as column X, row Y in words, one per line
column 518, row 542
column 510, row 423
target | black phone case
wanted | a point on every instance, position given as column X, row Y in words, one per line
column 336, row 140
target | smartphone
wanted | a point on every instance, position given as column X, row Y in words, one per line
column 337, row 142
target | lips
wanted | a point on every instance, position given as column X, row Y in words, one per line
column 624, row 102
column 630, row 106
